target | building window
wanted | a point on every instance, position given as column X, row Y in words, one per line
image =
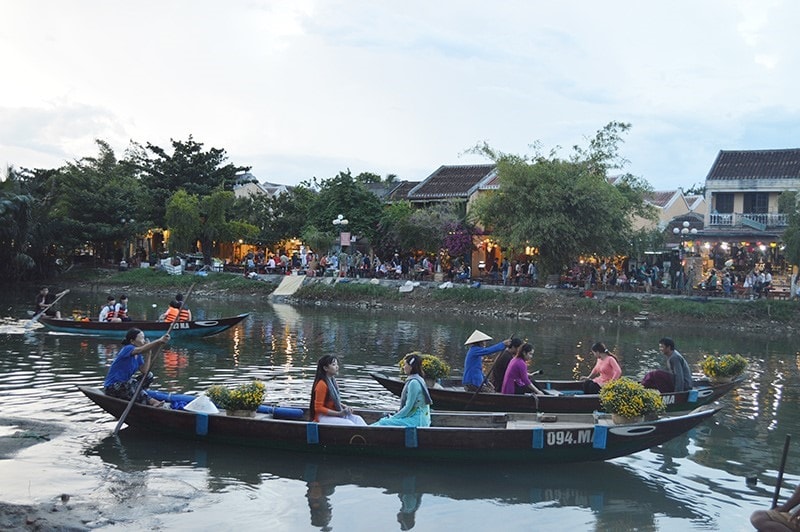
column 723, row 202
column 755, row 202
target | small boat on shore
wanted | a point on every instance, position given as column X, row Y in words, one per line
column 471, row 437
column 195, row 328
column 560, row 396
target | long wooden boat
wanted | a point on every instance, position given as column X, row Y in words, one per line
column 195, row 328
column 454, row 436
column 560, row 397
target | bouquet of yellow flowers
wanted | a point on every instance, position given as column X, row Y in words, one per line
column 243, row 397
column 433, row 366
column 629, row 398
column 727, row 366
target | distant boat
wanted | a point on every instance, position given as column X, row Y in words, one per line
column 470, row 437
column 560, row 396
column 195, row 328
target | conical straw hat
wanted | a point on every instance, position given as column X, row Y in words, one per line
column 476, row 337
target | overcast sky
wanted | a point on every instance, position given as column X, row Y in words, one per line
column 307, row 88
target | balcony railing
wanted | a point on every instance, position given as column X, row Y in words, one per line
column 756, row 221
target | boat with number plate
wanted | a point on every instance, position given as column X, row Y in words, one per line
column 111, row 329
column 517, row 438
column 559, row 397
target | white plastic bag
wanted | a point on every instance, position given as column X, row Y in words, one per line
column 202, row 404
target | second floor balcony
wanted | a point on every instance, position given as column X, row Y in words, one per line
column 760, row 222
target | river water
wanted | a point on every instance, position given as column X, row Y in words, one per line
column 695, row 482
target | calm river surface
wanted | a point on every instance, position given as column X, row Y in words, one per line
column 696, row 482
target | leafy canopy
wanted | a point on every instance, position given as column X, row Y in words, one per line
column 565, row 208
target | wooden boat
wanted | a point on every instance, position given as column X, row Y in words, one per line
column 561, row 397
column 195, row 328
column 454, row 436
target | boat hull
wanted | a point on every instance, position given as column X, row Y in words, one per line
column 459, row 437
column 196, row 328
column 451, row 397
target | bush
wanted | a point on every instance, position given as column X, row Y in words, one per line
column 630, row 399
column 724, row 366
column 243, row 397
column 433, row 366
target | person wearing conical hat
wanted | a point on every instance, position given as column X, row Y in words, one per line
column 474, row 379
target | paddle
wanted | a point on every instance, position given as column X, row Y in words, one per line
column 38, row 315
column 780, row 471
column 485, row 377
column 147, row 365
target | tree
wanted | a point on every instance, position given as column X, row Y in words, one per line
column 788, row 204
column 183, row 220
column 92, row 198
column 188, row 167
column 565, row 208
column 346, row 196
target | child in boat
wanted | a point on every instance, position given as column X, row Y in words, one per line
column 415, row 401
column 120, row 381
column 326, row 406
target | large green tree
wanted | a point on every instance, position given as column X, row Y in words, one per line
column 189, row 167
column 96, row 199
column 564, row 207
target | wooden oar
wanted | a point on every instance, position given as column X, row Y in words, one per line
column 36, row 317
column 485, row 377
column 780, row 471
column 147, row 365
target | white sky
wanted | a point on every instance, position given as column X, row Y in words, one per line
column 302, row 88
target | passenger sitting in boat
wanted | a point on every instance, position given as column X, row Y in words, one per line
column 516, row 380
column 179, row 299
column 501, row 363
column 120, row 381
column 606, row 369
column 473, row 374
column 326, row 406
column 781, row 518
column 678, row 376
column 415, row 401
column 108, row 312
column 175, row 311
column 121, row 308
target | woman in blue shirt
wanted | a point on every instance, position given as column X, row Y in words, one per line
column 120, row 381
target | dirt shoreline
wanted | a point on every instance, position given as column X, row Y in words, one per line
column 61, row 514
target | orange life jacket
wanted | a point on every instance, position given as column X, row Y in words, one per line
column 112, row 313
column 172, row 313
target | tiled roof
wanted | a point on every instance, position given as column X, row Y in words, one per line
column 660, row 198
column 452, row 182
column 756, row 164
column 492, row 184
column 382, row 189
column 402, row 190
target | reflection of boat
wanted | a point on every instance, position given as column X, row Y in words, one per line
column 609, row 490
column 564, row 397
column 469, row 437
column 118, row 329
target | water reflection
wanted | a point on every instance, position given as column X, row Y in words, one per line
column 618, row 497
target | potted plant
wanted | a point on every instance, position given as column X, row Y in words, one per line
column 724, row 368
column 628, row 401
column 242, row 400
column 434, row 367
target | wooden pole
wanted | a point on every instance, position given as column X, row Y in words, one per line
column 780, row 471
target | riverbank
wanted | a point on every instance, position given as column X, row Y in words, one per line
column 503, row 302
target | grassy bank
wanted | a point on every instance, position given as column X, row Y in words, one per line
column 145, row 279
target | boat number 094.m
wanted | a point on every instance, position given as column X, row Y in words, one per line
column 569, row 437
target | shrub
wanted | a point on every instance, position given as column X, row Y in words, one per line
column 243, row 397
column 630, row 399
column 724, row 366
column 433, row 366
